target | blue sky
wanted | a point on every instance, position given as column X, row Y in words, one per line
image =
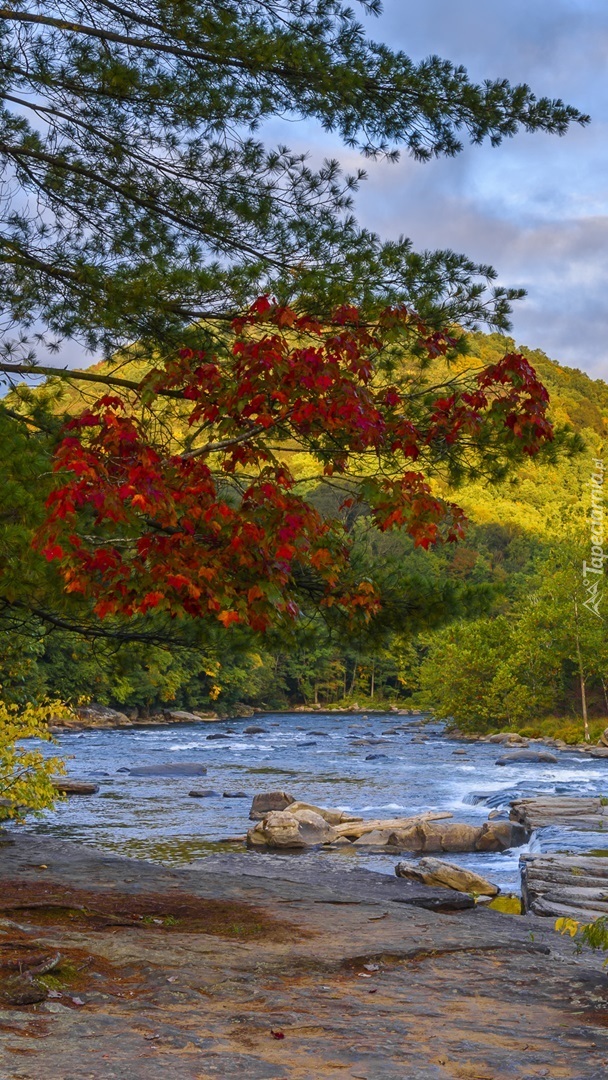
column 537, row 207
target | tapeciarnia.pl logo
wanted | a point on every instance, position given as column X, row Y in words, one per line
column 593, row 571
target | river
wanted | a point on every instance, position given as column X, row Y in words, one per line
column 326, row 759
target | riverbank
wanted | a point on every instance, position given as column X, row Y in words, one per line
column 102, row 717
column 241, row 967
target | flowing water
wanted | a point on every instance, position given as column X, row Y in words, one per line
column 327, row 759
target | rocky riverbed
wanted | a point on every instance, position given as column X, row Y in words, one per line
column 375, row 767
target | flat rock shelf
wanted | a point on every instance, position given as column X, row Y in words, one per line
column 269, row 969
column 577, row 813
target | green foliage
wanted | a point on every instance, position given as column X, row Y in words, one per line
column 510, row 671
column 508, row 593
column 594, row 934
column 25, row 773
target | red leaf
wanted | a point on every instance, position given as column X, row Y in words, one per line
column 53, row 551
column 228, row 617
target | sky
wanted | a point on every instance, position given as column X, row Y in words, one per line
column 536, row 208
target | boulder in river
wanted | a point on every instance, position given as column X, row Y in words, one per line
column 501, row 835
column 528, row 757
column 444, row 874
column 206, row 793
column 235, row 795
column 283, row 829
column 218, row 735
column 269, row 800
column 253, row 730
column 170, row 768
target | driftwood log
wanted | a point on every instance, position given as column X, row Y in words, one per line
column 569, row 886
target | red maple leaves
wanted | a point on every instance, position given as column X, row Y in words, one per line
column 222, row 529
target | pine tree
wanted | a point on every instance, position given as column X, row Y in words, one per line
column 138, row 196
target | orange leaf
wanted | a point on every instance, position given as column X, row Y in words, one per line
column 227, row 617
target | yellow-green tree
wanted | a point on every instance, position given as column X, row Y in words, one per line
column 26, row 774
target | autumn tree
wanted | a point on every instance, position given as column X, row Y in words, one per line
column 142, row 210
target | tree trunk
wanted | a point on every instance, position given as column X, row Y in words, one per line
column 354, row 678
column 605, row 689
column 373, row 679
column 581, row 675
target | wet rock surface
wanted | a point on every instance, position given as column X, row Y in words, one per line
column 359, row 981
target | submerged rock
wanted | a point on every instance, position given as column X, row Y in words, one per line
column 439, row 873
column 170, row 769
column 206, row 793
column 253, row 730
column 528, row 757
